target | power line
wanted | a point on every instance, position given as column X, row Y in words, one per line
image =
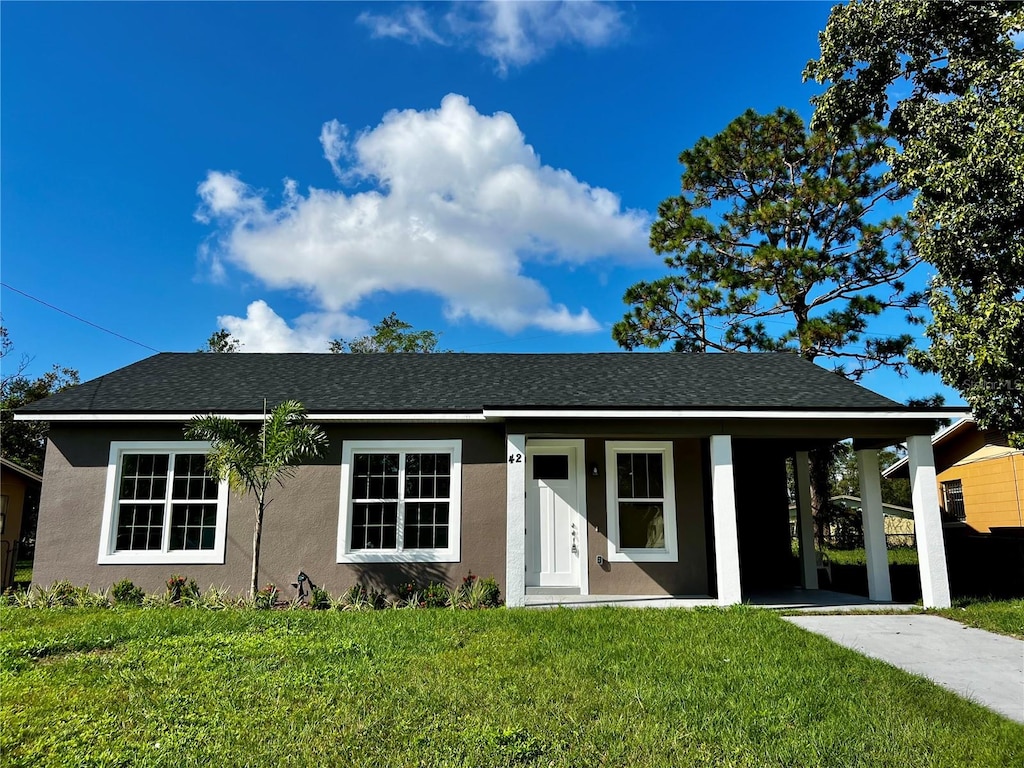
column 79, row 319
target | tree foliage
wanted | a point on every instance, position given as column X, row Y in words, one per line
column 221, row 340
column 251, row 458
column 779, row 225
column 24, row 442
column 389, row 335
column 960, row 143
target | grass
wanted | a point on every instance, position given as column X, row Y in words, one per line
column 1003, row 616
column 442, row 688
column 23, row 572
column 897, row 556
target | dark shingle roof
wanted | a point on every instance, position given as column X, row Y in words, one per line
column 326, row 383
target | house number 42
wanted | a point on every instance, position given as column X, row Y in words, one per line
column 515, row 458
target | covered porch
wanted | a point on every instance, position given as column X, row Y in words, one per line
column 726, row 520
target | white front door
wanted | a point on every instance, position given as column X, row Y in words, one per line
column 553, row 525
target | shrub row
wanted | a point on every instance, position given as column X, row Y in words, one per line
column 183, row 592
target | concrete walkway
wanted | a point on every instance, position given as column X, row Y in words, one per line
column 978, row 665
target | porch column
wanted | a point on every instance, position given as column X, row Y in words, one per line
column 805, row 521
column 727, row 547
column 931, row 550
column 873, row 516
column 515, row 516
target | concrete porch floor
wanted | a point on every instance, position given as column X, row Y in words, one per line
column 806, row 600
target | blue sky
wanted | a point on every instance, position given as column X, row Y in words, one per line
column 294, row 172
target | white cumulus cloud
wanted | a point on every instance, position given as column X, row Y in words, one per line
column 263, row 330
column 332, row 139
column 511, row 32
column 458, row 203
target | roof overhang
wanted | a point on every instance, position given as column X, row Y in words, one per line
column 20, row 470
column 940, row 437
column 503, row 414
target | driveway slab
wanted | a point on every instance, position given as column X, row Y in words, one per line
column 978, row 665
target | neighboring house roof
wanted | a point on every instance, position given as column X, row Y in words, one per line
column 458, row 383
column 20, row 470
column 853, row 503
column 948, row 454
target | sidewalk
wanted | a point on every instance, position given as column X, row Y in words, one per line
column 978, row 665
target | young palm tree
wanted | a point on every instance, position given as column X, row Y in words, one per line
column 251, row 459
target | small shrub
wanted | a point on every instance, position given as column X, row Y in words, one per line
column 319, row 599
column 479, row 593
column 490, row 592
column 434, row 596
column 215, row 599
column 157, row 601
column 62, row 594
column 180, row 589
column 266, row 598
column 125, row 592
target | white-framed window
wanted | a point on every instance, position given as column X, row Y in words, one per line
column 401, row 501
column 641, row 502
column 161, row 505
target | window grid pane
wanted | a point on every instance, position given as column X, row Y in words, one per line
column 374, row 525
column 140, row 526
column 193, row 526
column 640, row 476
column 375, row 476
column 142, row 510
column 403, row 491
column 426, row 525
column 641, row 496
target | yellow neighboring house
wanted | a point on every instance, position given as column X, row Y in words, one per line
column 17, row 485
column 980, row 477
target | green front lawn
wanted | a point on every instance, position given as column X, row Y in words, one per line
column 1003, row 616
column 437, row 688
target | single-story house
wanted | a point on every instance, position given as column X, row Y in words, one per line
column 591, row 474
column 19, row 490
column 980, row 477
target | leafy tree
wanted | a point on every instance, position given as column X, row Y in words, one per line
column 389, row 335
column 960, row 143
column 221, row 340
column 252, row 458
column 846, row 478
column 24, row 442
column 798, row 242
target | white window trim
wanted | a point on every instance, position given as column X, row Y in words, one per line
column 108, row 528
column 452, row 554
column 670, row 553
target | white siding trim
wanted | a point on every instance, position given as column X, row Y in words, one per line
column 500, row 414
column 879, row 586
column 931, row 549
column 727, row 549
column 713, row 414
column 515, row 525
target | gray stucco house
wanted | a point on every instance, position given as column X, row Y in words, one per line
column 591, row 474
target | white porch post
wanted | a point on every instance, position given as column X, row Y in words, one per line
column 873, row 516
column 805, row 521
column 727, row 548
column 515, row 515
column 931, row 550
